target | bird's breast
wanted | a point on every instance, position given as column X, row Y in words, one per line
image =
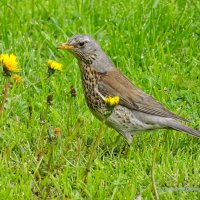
column 90, row 80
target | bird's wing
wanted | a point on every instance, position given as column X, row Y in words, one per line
column 113, row 83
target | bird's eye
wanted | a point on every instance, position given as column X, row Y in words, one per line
column 81, row 43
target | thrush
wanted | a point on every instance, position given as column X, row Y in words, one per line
column 134, row 111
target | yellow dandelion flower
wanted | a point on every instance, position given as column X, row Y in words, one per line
column 1, row 57
column 17, row 78
column 57, row 132
column 111, row 101
column 54, row 65
column 9, row 63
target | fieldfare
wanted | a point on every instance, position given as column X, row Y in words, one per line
column 113, row 98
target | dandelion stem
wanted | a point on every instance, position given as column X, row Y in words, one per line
column 5, row 90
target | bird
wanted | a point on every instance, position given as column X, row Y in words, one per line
column 134, row 111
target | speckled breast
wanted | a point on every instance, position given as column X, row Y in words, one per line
column 90, row 79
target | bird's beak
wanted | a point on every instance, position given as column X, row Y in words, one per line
column 65, row 46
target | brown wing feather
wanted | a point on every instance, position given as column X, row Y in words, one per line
column 113, row 83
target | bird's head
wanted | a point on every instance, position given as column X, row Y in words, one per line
column 87, row 50
column 83, row 47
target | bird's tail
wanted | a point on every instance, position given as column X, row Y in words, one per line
column 181, row 127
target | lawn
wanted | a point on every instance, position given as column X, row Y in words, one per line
column 47, row 133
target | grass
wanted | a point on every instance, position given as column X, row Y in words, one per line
column 156, row 44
